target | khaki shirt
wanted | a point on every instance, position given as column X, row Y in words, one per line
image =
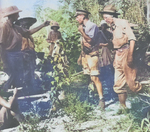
column 122, row 32
column 11, row 36
column 54, row 36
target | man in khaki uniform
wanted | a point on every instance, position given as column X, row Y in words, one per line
column 90, row 59
column 123, row 42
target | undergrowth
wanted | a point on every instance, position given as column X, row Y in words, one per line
column 74, row 107
column 31, row 124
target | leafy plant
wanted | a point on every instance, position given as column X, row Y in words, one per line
column 74, row 107
column 145, row 124
column 31, row 124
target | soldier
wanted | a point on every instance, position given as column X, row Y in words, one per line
column 106, row 50
column 29, row 54
column 89, row 54
column 106, row 67
column 53, row 36
column 11, row 43
column 123, row 42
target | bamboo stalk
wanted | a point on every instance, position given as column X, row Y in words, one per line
column 33, row 96
column 77, row 74
column 11, row 90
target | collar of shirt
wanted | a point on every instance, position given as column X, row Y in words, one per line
column 113, row 25
column 88, row 23
column 88, row 26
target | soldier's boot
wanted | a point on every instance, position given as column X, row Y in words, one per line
column 122, row 99
column 102, row 104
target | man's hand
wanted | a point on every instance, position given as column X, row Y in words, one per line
column 87, row 45
column 102, row 44
column 15, row 91
column 79, row 61
column 46, row 23
column 80, row 28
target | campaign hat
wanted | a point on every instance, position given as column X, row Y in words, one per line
column 11, row 10
column 81, row 12
column 110, row 9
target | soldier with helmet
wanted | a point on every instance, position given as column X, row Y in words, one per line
column 53, row 36
column 11, row 43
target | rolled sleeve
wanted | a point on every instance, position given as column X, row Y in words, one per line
column 3, row 34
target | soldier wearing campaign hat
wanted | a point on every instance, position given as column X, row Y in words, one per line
column 90, row 45
column 123, row 43
column 11, row 42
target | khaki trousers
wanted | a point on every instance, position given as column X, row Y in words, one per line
column 90, row 65
column 124, row 74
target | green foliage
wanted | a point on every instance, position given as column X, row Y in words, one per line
column 31, row 124
column 131, row 10
column 93, row 6
column 1, row 65
column 73, row 106
column 41, row 44
column 145, row 124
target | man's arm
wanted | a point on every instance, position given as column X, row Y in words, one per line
column 34, row 30
column 6, row 104
column 132, row 44
column 87, row 38
column 131, row 38
column 130, row 53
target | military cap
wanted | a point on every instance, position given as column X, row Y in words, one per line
column 81, row 12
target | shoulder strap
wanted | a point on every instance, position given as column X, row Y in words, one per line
column 104, row 35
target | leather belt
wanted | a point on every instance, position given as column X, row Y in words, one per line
column 125, row 46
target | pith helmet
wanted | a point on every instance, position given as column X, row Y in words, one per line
column 110, row 9
column 55, row 24
column 26, row 22
column 81, row 12
column 11, row 10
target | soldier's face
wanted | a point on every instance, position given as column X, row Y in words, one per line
column 108, row 18
column 79, row 18
column 14, row 16
column 55, row 28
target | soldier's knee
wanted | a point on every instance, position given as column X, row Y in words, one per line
column 94, row 78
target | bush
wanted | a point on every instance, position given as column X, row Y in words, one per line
column 31, row 124
column 75, row 108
